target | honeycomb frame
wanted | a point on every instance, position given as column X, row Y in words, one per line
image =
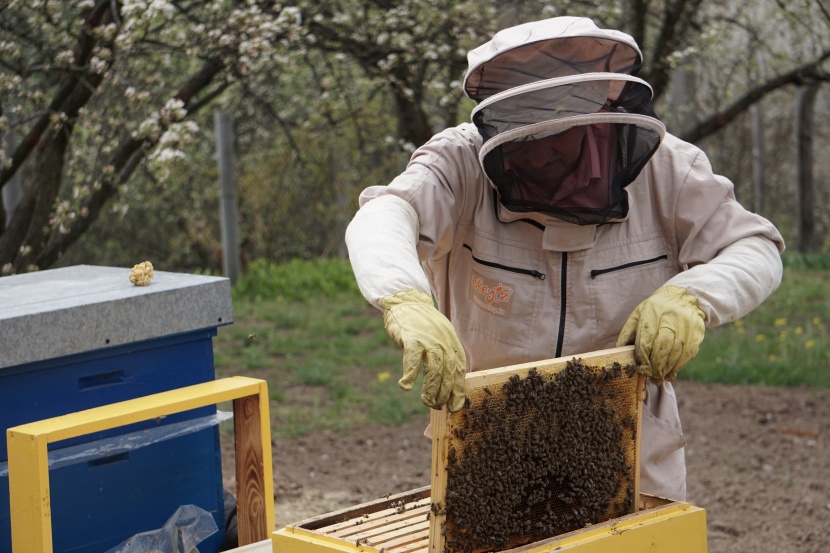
column 541, row 449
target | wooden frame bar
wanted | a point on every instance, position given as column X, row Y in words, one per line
column 31, row 514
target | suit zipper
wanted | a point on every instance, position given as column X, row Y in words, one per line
column 596, row 272
column 531, row 272
column 563, row 286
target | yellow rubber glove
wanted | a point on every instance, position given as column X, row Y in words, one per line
column 427, row 337
column 666, row 330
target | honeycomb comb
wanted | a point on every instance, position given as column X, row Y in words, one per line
column 540, row 449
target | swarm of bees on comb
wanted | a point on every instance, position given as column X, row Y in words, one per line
column 540, row 456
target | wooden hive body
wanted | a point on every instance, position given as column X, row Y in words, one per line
column 414, row 521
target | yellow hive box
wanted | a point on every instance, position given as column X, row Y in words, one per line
column 414, row 521
column 29, row 489
column 399, row 524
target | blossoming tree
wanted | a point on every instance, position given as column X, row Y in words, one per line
column 91, row 90
column 94, row 88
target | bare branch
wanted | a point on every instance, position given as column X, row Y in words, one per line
column 810, row 72
column 208, row 98
column 824, row 10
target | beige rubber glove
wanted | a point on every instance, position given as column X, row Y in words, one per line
column 666, row 330
column 427, row 338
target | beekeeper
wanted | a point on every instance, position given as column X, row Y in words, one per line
column 563, row 220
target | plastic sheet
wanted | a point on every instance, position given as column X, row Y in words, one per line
column 182, row 532
column 99, row 449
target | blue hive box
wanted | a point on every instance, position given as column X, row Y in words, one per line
column 84, row 336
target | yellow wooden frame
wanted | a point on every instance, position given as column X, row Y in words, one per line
column 440, row 418
column 662, row 526
column 31, row 513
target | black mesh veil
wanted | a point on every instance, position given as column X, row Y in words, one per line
column 568, row 146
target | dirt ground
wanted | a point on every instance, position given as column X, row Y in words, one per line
column 758, row 462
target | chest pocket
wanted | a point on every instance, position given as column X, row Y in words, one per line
column 623, row 276
column 497, row 294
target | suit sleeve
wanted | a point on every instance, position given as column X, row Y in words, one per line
column 736, row 281
column 414, row 218
column 731, row 256
column 382, row 240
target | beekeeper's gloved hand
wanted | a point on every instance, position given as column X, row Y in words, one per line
column 666, row 330
column 427, row 338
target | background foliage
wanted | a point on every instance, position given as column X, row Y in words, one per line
column 107, row 108
column 304, row 327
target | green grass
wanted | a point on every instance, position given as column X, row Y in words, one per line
column 304, row 328
column 296, row 280
column 327, row 359
column 784, row 342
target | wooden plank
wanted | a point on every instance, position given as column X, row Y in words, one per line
column 599, row 357
column 664, row 526
column 344, row 517
column 29, row 496
column 140, row 409
column 293, row 539
column 366, row 527
column 379, row 525
column 400, row 534
column 421, row 546
column 673, row 528
column 438, row 419
column 418, row 536
column 253, row 520
column 389, row 532
column 641, row 386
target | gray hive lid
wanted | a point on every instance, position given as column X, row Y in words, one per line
column 59, row 312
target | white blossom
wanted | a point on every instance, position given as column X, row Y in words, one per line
column 97, row 65
column 149, row 128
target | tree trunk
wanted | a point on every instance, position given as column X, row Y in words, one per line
column 805, row 194
column 27, row 233
column 757, row 158
column 13, row 191
column 682, row 87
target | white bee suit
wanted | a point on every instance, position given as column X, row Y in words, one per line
column 529, row 280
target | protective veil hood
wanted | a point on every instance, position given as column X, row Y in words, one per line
column 565, row 124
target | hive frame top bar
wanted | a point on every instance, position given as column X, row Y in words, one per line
column 623, row 355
